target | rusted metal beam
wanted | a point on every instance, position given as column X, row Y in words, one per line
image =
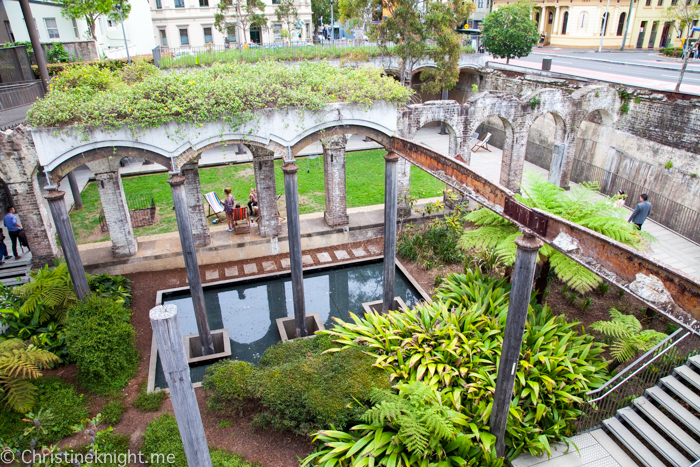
column 615, row 261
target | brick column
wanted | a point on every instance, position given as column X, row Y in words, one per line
column 403, row 175
column 514, row 149
column 195, row 204
column 116, row 211
column 336, row 212
column 264, row 168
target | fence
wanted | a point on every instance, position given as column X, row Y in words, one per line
column 142, row 210
column 665, row 211
column 16, row 99
column 633, row 380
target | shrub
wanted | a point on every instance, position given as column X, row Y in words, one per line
column 118, row 288
column 227, row 385
column 558, row 364
column 101, row 341
column 603, row 288
column 313, row 390
column 68, row 408
column 432, row 244
column 150, row 401
column 11, row 425
column 112, row 412
column 628, row 334
column 19, row 364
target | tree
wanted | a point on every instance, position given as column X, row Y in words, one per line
column 683, row 13
column 91, row 10
column 250, row 16
column 19, row 364
column 419, row 30
column 287, row 13
column 510, row 31
column 320, row 10
column 582, row 205
column 628, row 334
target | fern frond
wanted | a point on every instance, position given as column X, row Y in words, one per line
column 19, row 394
column 573, row 274
column 485, row 216
column 485, row 237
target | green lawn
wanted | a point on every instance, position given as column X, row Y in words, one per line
column 365, row 186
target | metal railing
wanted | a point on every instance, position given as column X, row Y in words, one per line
column 16, row 99
column 633, row 380
column 142, row 210
column 665, row 211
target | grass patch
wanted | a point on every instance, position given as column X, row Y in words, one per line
column 365, row 187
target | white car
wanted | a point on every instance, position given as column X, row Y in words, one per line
column 184, row 53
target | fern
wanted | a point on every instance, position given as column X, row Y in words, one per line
column 630, row 339
column 576, row 276
column 20, row 363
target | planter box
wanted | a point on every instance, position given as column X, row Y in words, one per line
column 288, row 329
column 377, row 305
column 193, row 348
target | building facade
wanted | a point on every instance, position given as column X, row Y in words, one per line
column 652, row 29
column 190, row 23
column 53, row 27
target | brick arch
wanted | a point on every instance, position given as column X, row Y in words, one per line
column 190, row 154
column 106, row 152
column 602, row 101
column 339, row 129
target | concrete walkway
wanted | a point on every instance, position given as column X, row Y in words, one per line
column 671, row 249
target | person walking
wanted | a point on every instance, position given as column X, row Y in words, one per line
column 641, row 211
column 229, row 202
column 13, row 228
column 621, row 200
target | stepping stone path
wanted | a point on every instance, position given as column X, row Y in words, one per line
column 230, row 272
column 375, row 250
column 211, row 274
column 341, row 254
column 324, row 257
column 359, row 252
column 250, row 268
column 307, row 260
column 286, row 263
column 269, row 266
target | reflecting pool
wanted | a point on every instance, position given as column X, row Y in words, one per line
column 249, row 308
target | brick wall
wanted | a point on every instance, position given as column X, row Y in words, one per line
column 336, row 212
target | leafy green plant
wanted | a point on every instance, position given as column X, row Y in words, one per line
column 118, row 288
column 620, row 293
column 475, row 88
column 454, row 343
column 629, row 336
column 637, row 99
column 434, row 243
column 693, row 175
column 534, row 102
column 226, row 383
column 625, row 107
column 66, row 405
column 671, row 328
column 581, row 205
column 57, row 53
column 149, row 401
column 406, row 429
column 101, row 341
column 113, row 411
column 603, row 288
column 668, row 165
column 20, row 363
column 587, row 304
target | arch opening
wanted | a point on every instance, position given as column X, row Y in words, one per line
column 544, row 132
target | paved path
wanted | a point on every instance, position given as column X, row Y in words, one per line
column 671, row 249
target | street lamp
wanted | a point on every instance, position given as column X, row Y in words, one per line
column 332, row 26
column 121, row 19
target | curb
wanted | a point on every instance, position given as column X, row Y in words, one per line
column 602, row 60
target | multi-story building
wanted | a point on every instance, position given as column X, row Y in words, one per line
column 53, row 27
column 652, row 29
column 190, row 23
column 483, row 8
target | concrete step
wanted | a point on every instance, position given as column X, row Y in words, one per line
column 15, row 271
column 653, row 437
column 632, row 443
column 679, row 412
column 682, row 391
column 689, row 375
column 614, row 449
column 665, row 424
column 695, row 362
column 12, row 281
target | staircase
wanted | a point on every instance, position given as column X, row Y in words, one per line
column 662, row 428
column 16, row 271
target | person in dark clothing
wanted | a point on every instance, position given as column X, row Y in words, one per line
column 13, row 228
column 641, row 211
column 253, row 203
column 3, row 248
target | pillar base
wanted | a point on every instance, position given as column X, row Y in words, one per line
column 333, row 221
column 123, row 251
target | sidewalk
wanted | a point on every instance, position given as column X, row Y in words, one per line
column 647, row 60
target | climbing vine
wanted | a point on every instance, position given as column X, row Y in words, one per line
column 141, row 96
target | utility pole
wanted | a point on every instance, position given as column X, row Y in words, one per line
column 126, row 44
column 627, row 26
column 36, row 43
column 605, row 26
column 332, row 26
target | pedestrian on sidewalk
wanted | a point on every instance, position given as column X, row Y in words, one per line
column 621, row 199
column 641, row 211
column 228, row 203
column 13, row 228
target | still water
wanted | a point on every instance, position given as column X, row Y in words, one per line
column 249, row 309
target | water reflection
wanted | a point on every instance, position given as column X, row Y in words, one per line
column 249, row 310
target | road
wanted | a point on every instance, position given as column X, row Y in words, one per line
column 633, row 68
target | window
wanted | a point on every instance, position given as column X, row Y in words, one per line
column 111, row 24
column 480, row 4
column 660, row 3
column 648, row 3
column 75, row 29
column 159, row 5
column 603, row 24
column 277, row 28
column 207, row 36
column 695, row 24
column 565, row 22
column 163, row 38
column 674, row 2
column 184, row 38
column 203, row 2
column 52, row 28
column 550, row 19
column 8, row 29
column 179, row 3
column 275, row 2
column 231, row 36
column 621, row 23
column 583, row 20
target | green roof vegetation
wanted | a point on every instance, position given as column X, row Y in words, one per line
column 141, row 96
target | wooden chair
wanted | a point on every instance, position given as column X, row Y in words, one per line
column 241, row 221
column 482, row 143
column 215, row 206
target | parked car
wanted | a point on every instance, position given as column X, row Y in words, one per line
column 184, row 53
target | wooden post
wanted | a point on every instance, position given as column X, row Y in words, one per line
column 171, row 350
column 523, row 274
column 294, row 235
column 57, row 205
column 36, row 43
column 75, row 190
column 390, row 213
column 177, row 185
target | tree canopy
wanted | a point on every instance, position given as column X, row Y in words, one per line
column 229, row 14
column 510, row 31
column 91, row 10
column 686, row 15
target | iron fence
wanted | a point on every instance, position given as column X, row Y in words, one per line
column 142, row 210
column 16, row 99
column 665, row 211
column 634, row 379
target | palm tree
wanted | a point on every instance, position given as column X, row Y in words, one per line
column 19, row 364
column 582, row 205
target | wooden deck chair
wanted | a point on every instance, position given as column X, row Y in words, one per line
column 215, row 206
column 482, row 143
column 241, row 221
column 279, row 216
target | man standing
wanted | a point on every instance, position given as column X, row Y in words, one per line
column 13, row 228
column 640, row 213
